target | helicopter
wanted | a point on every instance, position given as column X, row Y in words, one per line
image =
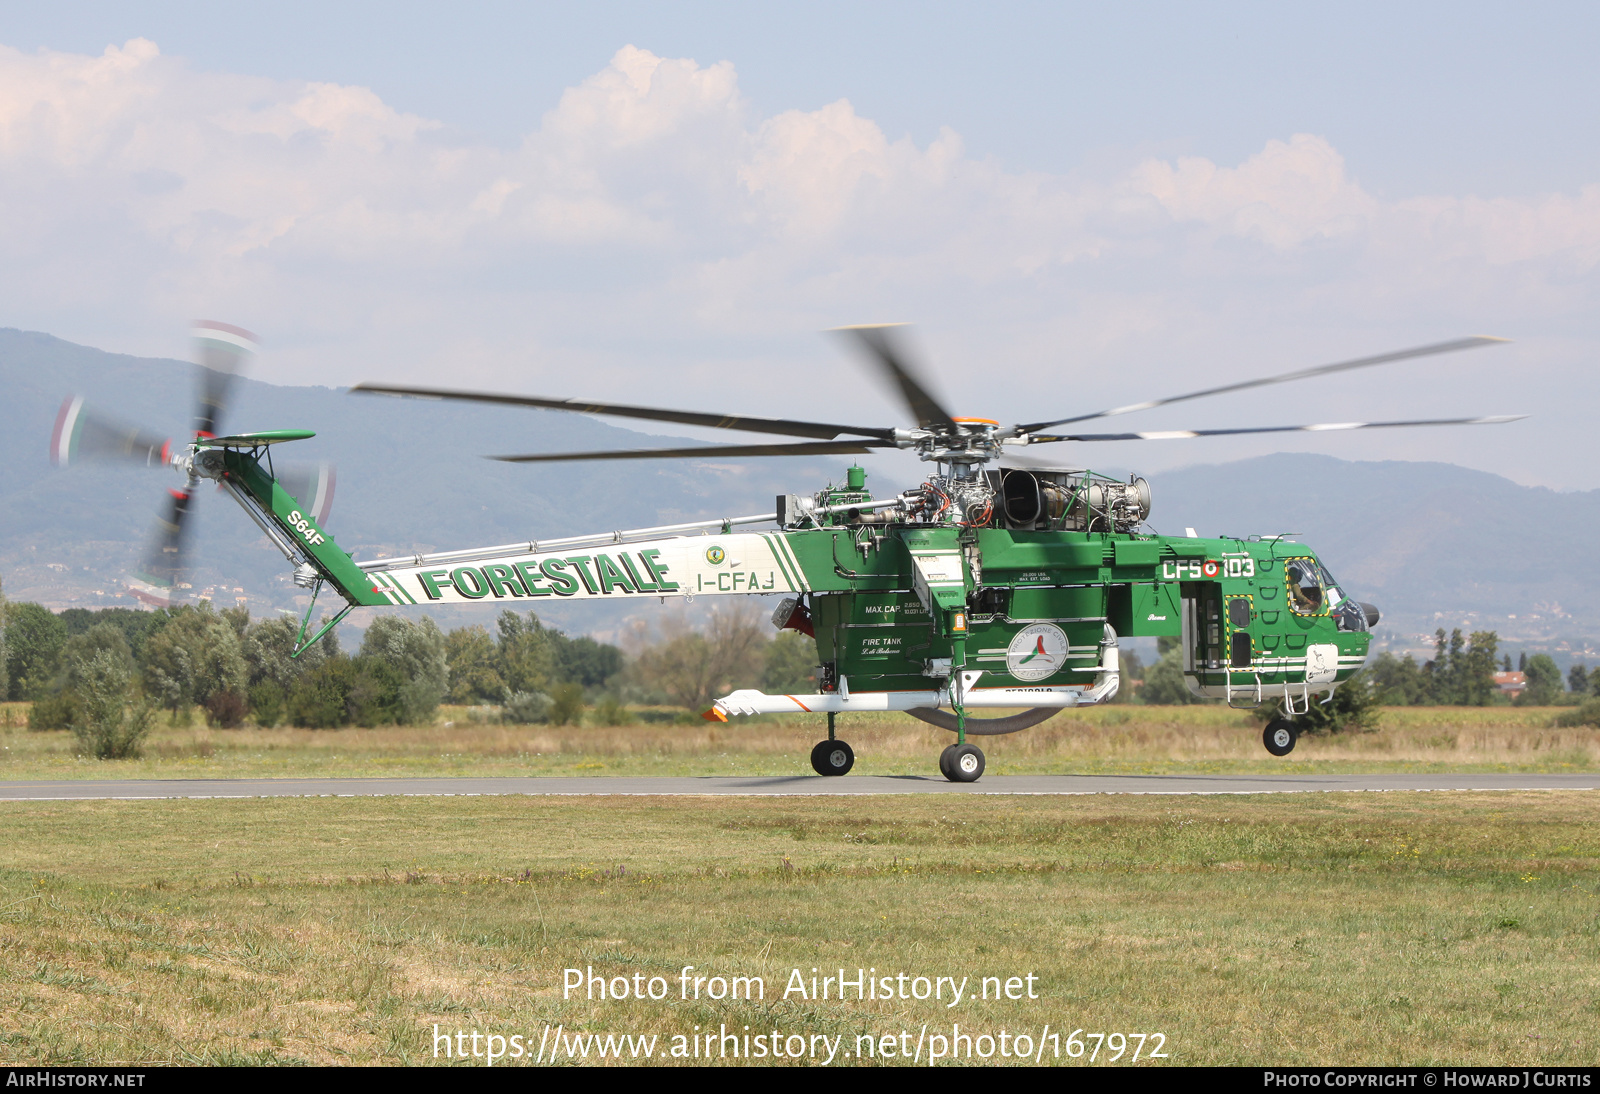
column 988, row 587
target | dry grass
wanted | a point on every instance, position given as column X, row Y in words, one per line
column 1397, row 928
column 1116, row 739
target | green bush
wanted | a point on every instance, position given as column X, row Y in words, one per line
column 108, row 726
column 419, row 701
column 791, row 665
column 406, row 666
column 1164, row 684
column 1544, row 682
column 1585, row 714
column 81, row 648
column 57, row 711
column 609, row 711
column 266, row 646
column 319, row 699
column 197, row 654
column 566, row 706
column 226, row 709
column 80, row 660
column 267, row 703
column 473, row 661
column 374, row 695
column 34, row 637
column 1354, row 708
column 367, row 691
column 527, row 707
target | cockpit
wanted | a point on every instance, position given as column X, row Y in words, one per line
column 1313, row 591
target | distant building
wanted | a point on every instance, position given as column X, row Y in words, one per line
column 1510, row 683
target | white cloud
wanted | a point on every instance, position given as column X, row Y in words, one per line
column 1285, row 194
column 651, row 207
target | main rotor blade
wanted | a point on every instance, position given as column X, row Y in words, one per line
column 1300, row 374
column 924, row 407
column 711, row 452
column 781, row 426
column 1326, row 427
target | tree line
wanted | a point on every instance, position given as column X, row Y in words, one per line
column 106, row 673
column 1460, row 673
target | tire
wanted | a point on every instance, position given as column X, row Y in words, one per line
column 962, row 763
column 1280, row 736
column 832, row 758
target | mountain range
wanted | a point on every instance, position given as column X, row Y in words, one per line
column 1432, row 544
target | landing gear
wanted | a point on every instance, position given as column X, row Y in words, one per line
column 1280, row 736
column 832, row 758
column 961, row 763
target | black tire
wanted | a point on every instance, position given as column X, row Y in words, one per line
column 962, row 763
column 1280, row 736
column 832, row 758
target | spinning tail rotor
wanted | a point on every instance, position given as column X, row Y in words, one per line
column 85, row 435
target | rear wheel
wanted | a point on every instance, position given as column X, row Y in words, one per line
column 832, row 758
column 1280, row 736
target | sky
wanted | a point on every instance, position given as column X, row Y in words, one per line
column 1076, row 206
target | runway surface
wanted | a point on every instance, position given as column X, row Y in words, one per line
column 778, row 786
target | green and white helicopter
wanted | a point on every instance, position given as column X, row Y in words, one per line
column 987, row 588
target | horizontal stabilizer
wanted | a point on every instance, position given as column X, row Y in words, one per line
column 255, row 440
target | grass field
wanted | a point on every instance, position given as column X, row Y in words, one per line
column 1305, row 929
column 1116, row 739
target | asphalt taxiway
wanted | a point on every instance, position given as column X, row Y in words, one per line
column 772, row 786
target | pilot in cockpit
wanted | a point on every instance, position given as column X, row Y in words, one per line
column 1304, row 589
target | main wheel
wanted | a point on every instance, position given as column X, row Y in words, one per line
column 1280, row 736
column 962, row 763
column 832, row 758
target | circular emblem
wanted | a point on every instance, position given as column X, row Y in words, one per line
column 715, row 555
column 1037, row 651
column 1211, row 569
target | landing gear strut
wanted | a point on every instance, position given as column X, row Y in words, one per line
column 1280, row 736
column 833, row 756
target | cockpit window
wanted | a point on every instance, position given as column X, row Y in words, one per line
column 1350, row 615
column 1305, row 586
column 1313, row 591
